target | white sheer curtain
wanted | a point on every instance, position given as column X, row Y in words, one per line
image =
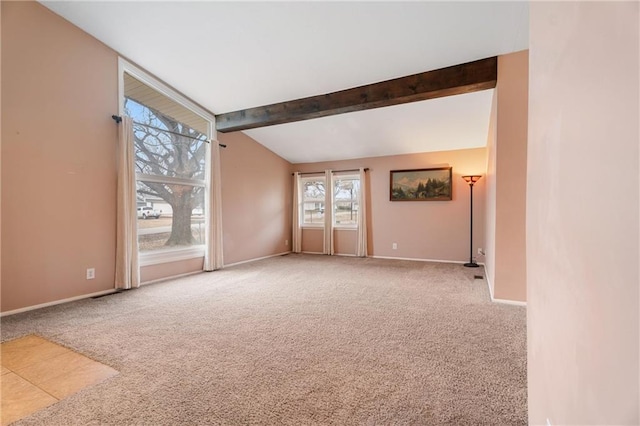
column 361, row 242
column 213, row 258
column 296, row 238
column 127, row 268
column 328, row 247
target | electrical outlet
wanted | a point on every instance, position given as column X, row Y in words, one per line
column 480, row 252
column 394, row 246
column 91, row 273
column 286, row 242
column 548, row 422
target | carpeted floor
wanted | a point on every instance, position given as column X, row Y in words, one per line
column 299, row 340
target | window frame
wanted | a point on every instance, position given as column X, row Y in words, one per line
column 169, row 254
column 344, row 227
column 320, row 225
column 303, row 224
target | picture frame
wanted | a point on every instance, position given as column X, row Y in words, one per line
column 434, row 184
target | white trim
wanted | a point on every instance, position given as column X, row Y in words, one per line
column 57, row 302
column 122, row 65
column 320, row 227
column 335, row 254
column 163, row 88
column 313, row 226
column 422, row 260
column 486, row 275
column 171, row 255
column 509, row 302
column 345, row 227
column 258, row 258
column 170, row 179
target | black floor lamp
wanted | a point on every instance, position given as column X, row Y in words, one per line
column 471, row 180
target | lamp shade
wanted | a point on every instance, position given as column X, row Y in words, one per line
column 471, row 179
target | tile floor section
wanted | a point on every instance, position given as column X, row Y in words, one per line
column 37, row 373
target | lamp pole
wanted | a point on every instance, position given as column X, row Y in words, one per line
column 471, row 180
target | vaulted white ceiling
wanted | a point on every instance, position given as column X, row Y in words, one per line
column 234, row 55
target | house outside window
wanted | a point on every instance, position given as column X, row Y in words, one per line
column 313, row 190
column 345, row 201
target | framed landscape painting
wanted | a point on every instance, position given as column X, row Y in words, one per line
column 421, row 184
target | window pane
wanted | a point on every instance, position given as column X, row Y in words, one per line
column 346, row 212
column 346, row 189
column 313, row 212
column 169, row 215
column 313, row 190
column 165, row 146
column 313, row 201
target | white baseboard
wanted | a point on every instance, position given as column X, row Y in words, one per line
column 334, row 254
column 417, row 259
column 114, row 290
column 486, row 276
column 503, row 301
column 509, row 302
column 104, row 292
column 257, row 258
column 493, row 299
column 57, row 302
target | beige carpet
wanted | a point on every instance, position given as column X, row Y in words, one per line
column 298, row 340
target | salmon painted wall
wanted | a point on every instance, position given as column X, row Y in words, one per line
column 583, row 197
column 344, row 241
column 436, row 230
column 256, row 199
column 159, row 272
column 506, row 180
column 312, row 240
column 256, row 220
column 59, row 89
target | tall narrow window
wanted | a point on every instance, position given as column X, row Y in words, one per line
column 345, row 204
column 171, row 137
column 313, row 190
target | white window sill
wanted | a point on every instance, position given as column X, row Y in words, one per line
column 157, row 257
column 336, row 227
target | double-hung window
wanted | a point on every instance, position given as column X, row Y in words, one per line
column 344, row 194
column 171, row 137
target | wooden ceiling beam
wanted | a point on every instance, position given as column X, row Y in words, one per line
column 454, row 80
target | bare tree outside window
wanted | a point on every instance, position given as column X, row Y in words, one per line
column 169, row 150
column 314, row 190
column 345, row 200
